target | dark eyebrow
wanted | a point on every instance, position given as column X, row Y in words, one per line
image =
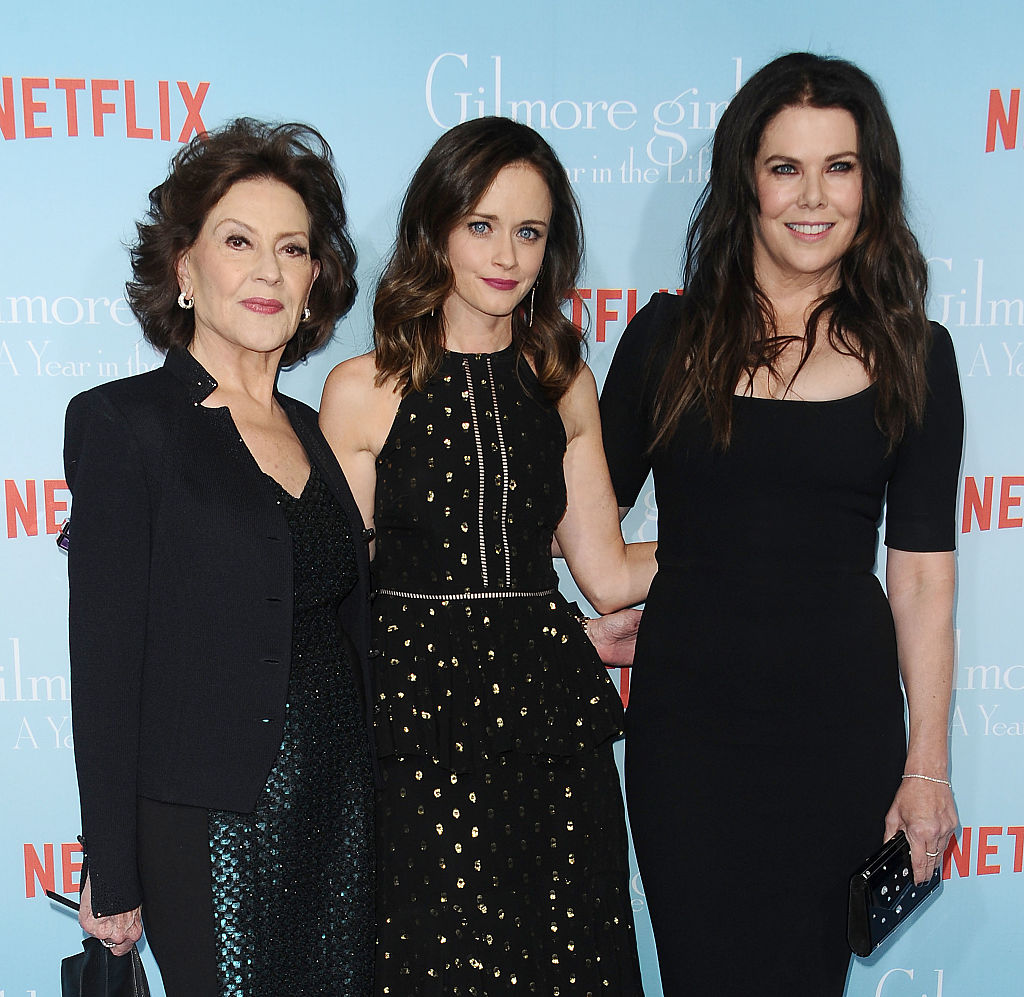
column 249, row 228
column 494, row 218
column 831, row 158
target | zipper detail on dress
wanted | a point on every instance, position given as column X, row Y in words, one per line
column 504, row 477
column 480, row 459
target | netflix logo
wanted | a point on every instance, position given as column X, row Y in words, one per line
column 38, row 107
column 42, row 871
column 1003, row 117
column 984, row 851
column 612, row 306
column 982, row 509
column 35, row 506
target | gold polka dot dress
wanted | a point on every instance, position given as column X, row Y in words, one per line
column 501, row 835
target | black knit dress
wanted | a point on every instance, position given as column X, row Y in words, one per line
column 765, row 735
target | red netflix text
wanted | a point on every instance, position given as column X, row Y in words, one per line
column 984, row 851
column 607, row 307
column 70, row 107
column 41, row 868
column 981, row 505
column 26, row 514
column 1002, row 120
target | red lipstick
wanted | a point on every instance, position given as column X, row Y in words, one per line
column 263, row 306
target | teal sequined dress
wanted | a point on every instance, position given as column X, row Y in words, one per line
column 293, row 880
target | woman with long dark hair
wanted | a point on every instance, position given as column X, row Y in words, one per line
column 794, row 389
column 470, row 435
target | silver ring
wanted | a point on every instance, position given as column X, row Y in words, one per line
column 107, row 943
column 932, row 855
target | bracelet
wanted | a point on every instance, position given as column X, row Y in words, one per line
column 579, row 616
column 927, row 778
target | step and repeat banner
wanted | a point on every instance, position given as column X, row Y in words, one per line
column 94, row 99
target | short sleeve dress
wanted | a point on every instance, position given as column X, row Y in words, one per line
column 765, row 729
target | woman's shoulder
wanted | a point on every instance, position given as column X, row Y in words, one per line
column 354, row 407
column 940, row 344
column 132, row 397
column 941, row 368
column 354, row 379
column 651, row 332
column 941, row 357
column 659, row 318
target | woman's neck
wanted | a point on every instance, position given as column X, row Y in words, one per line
column 239, row 373
column 467, row 330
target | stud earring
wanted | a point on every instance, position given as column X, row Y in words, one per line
column 305, row 314
column 185, row 302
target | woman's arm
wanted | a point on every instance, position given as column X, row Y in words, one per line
column 920, row 588
column 108, row 575
column 355, row 418
column 610, row 573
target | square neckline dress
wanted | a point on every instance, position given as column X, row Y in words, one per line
column 765, row 730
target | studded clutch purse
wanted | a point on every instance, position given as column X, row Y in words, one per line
column 883, row 895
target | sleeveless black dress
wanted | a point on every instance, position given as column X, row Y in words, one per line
column 765, row 729
column 502, row 855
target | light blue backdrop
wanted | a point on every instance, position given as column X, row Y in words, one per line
column 628, row 96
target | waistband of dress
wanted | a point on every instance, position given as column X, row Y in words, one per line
column 464, row 596
column 794, row 566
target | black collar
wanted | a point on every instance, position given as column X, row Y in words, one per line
column 193, row 375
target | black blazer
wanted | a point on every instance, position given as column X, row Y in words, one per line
column 180, row 570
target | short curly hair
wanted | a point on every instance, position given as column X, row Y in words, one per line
column 200, row 175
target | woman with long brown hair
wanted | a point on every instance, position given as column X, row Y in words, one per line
column 470, row 435
column 792, row 390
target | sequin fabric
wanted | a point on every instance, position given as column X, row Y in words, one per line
column 501, row 835
column 293, row 881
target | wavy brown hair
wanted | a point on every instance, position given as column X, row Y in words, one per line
column 877, row 311
column 200, row 175
column 408, row 322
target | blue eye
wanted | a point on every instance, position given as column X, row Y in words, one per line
column 842, row 166
column 784, row 169
column 478, row 228
column 528, row 234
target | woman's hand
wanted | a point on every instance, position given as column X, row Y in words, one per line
column 926, row 813
column 614, row 636
column 124, row 930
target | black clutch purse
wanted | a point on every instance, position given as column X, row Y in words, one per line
column 95, row 972
column 883, row 895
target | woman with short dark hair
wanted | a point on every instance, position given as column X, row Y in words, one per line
column 792, row 390
column 218, row 587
